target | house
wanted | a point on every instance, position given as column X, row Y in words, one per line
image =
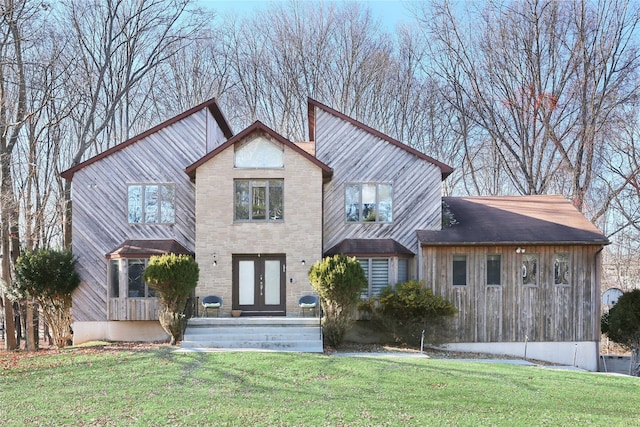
column 256, row 210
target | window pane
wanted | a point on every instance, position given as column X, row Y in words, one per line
column 272, row 282
column 493, row 269
column 114, row 278
column 364, row 263
column 276, row 207
column 135, row 204
column 151, row 204
column 259, row 153
column 135, row 282
column 385, row 204
column 403, row 270
column 167, row 207
column 352, row 203
column 459, row 270
column 242, row 199
column 368, row 202
column 529, row 269
column 561, row 269
column 379, row 275
column 259, row 200
column 246, row 282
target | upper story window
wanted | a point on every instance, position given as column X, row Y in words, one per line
column 259, row 200
column 530, row 269
column 259, row 153
column 151, row 204
column 368, row 202
column 561, row 269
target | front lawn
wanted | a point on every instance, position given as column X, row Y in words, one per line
column 157, row 387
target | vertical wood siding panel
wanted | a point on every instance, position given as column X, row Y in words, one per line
column 512, row 312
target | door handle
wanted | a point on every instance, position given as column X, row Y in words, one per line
column 261, row 286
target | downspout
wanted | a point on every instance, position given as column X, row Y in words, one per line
column 597, row 259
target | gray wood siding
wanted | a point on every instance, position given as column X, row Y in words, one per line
column 512, row 312
column 357, row 156
column 100, row 220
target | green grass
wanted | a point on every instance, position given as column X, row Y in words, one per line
column 159, row 387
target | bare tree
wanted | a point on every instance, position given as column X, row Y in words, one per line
column 114, row 46
column 543, row 79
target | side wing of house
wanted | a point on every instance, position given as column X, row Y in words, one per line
column 381, row 192
column 524, row 274
column 129, row 203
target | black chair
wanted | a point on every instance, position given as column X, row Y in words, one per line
column 308, row 302
column 211, row 302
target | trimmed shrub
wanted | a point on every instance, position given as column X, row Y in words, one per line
column 174, row 277
column 49, row 277
column 338, row 280
column 411, row 308
column 622, row 325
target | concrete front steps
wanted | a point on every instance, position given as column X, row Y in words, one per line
column 295, row 334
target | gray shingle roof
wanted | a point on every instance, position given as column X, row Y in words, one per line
column 513, row 220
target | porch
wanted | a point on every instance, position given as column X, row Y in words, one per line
column 277, row 333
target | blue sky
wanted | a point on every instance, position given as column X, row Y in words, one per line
column 389, row 12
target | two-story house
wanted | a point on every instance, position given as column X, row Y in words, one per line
column 257, row 210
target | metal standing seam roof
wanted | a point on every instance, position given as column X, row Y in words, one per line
column 543, row 220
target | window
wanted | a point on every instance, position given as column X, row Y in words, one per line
column 493, row 270
column 530, row 269
column 403, row 270
column 259, row 153
column 126, row 278
column 459, row 270
column 377, row 272
column 259, row 200
column 368, row 203
column 561, row 269
column 151, row 204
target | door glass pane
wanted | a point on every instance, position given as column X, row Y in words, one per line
column 561, row 269
column 259, row 200
column 272, row 282
column 529, row 269
column 246, row 285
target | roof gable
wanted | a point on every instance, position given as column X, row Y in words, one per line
column 513, row 220
column 446, row 170
column 211, row 104
column 258, row 127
